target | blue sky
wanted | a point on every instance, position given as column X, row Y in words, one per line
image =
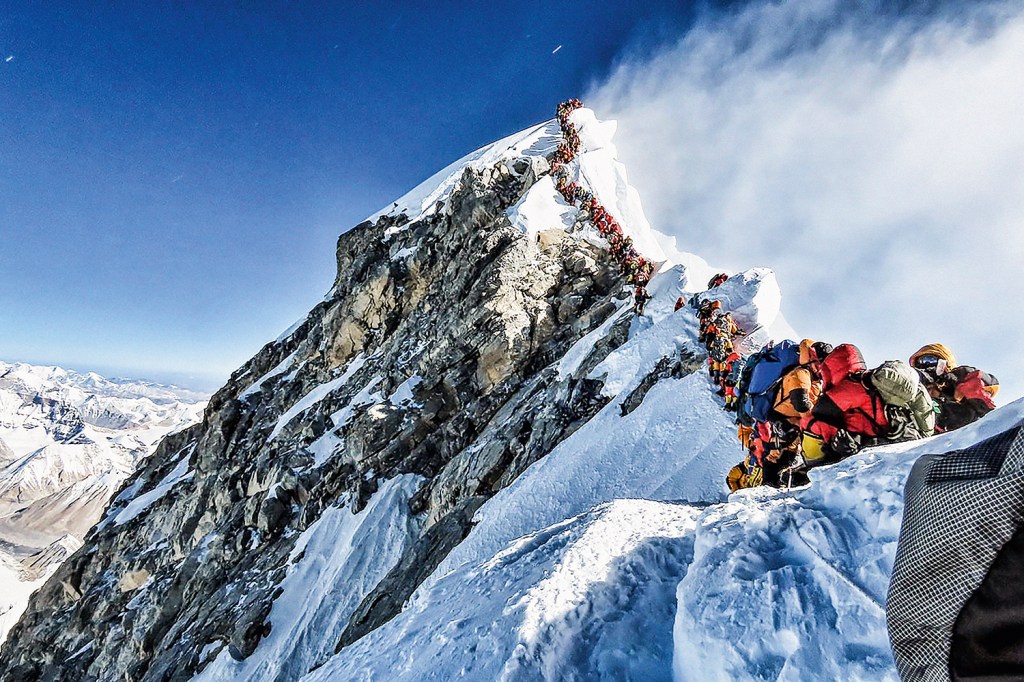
column 173, row 176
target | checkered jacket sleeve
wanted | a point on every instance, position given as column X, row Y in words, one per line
column 961, row 508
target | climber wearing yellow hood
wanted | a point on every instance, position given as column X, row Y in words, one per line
column 962, row 394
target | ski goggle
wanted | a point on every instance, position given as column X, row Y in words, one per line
column 932, row 364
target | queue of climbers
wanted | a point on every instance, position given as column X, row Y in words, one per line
column 634, row 266
column 800, row 405
column 797, row 405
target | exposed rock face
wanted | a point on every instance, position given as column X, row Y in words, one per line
column 432, row 355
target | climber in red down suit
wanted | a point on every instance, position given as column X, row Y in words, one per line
column 849, row 415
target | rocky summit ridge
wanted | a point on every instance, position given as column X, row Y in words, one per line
column 433, row 358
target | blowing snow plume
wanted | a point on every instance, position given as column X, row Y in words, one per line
column 873, row 161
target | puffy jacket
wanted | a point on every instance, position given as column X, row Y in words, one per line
column 845, row 402
column 722, row 323
column 797, row 395
column 771, row 440
column 964, row 395
column 800, row 388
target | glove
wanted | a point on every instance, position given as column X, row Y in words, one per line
column 753, row 478
column 844, row 443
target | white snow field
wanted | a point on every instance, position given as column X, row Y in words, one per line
column 67, row 443
column 769, row 585
column 589, row 598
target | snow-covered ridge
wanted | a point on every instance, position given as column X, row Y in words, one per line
column 557, row 576
column 559, row 579
column 60, row 427
column 780, row 585
column 42, row 378
column 534, row 143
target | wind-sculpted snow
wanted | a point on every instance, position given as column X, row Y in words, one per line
column 771, row 585
column 751, row 297
column 676, row 445
column 792, row 585
column 589, row 598
column 599, row 170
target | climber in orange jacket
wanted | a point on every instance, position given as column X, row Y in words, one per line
column 801, row 385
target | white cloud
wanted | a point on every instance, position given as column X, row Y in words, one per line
column 876, row 164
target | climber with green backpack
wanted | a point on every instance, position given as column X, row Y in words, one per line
column 908, row 407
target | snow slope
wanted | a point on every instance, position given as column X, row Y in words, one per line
column 530, row 594
column 770, row 585
column 559, row 575
column 624, row 533
column 533, row 143
column 336, row 562
column 15, row 591
column 575, row 601
column 789, row 586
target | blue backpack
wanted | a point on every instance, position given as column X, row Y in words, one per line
column 762, row 374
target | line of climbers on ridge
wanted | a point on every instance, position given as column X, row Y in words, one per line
column 797, row 405
column 801, row 405
column 634, row 266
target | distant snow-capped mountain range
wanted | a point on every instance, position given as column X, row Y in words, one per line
column 68, row 440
